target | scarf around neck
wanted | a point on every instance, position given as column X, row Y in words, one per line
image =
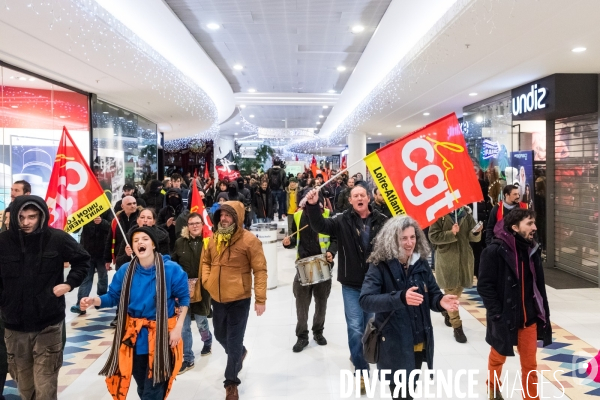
column 223, row 236
column 163, row 365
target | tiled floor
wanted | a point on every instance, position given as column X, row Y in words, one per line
column 273, row 371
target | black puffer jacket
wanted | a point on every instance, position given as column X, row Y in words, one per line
column 154, row 197
column 93, row 236
column 346, row 227
column 32, row 265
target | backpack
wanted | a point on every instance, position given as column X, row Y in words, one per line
column 275, row 179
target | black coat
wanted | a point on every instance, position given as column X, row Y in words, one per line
column 379, row 296
column 32, row 265
column 94, row 235
column 262, row 209
column 346, row 228
column 126, row 223
column 499, row 288
column 154, row 199
column 140, row 202
column 309, row 240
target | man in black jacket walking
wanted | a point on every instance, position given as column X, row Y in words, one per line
column 32, row 288
column 355, row 230
column 511, row 285
column 511, row 202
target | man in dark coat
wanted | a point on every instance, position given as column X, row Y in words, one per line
column 512, row 287
column 511, row 201
column 32, row 289
column 263, row 202
column 126, row 218
column 154, row 196
column 129, row 190
column 355, row 230
column 343, row 202
column 188, row 253
column 379, row 203
column 172, row 216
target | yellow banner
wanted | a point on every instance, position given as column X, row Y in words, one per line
column 388, row 191
column 87, row 214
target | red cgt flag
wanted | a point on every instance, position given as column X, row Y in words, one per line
column 313, row 166
column 74, row 195
column 426, row 174
column 198, row 207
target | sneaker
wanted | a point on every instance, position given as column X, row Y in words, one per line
column 77, row 310
column 300, row 345
column 113, row 323
column 185, row 366
column 446, row 318
column 206, row 350
column 320, row 339
column 231, row 392
column 459, row 335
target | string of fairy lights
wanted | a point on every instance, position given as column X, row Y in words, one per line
column 94, row 35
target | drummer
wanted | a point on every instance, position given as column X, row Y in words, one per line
column 310, row 244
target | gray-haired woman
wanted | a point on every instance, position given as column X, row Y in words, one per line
column 400, row 281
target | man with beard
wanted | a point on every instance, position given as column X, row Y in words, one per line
column 511, row 201
column 343, row 202
column 511, row 285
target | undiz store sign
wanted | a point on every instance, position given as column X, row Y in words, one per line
column 534, row 100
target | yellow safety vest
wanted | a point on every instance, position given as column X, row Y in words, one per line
column 323, row 239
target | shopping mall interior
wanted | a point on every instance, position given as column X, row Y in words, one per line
column 148, row 88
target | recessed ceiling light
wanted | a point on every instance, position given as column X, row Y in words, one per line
column 251, row 115
column 104, row 112
column 22, row 78
column 398, row 126
column 251, row 90
column 236, row 134
column 62, row 116
column 579, row 50
column 426, row 114
column 14, row 106
column 243, row 106
column 321, row 116
column 379, row 134
column 473, row 94
column 213, row 26
column 318, row 122
column 239, row 67
column 369, row 138
column 357, row 28
column 31, row 79
column 12, row 77
column 341, row 68
column 237, row 123
column 331, row 91
column 479, row 119
column 325, row 107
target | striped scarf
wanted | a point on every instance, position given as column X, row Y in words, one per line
column 162, row 357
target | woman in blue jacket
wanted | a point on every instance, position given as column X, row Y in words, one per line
column 400, row 281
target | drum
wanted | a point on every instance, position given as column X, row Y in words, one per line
column 313, row 270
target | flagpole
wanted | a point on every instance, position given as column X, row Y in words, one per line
column 120, row 227
column 340, row 173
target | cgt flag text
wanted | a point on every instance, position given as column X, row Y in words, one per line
column 74, row 194
column 426, row 174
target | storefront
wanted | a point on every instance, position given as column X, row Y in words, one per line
column 544, row 137
column 124, row 148
column 33, row 111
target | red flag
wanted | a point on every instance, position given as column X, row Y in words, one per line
column 74, row 195
column 198, row 207
column 313, row 166
column 227, row 168
column 426, row 174
column 206, row 174
column 344, row 163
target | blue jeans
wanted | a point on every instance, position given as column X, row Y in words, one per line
column 356, row 322
column 145, row 387
column 229, row 321
column 281, row 197
column 96, row 264
column 186, row 335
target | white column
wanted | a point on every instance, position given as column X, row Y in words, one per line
column 357, row 150
column 222, row 147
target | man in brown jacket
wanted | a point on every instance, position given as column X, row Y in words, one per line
column 233, row 254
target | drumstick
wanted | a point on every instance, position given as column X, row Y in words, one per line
column 296, row 231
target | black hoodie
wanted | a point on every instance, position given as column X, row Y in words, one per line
column 32, row 265
column 175, row 210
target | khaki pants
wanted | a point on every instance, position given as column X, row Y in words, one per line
column 34, row 359
column 455, row 320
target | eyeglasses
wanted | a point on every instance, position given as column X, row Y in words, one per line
column 194, row 223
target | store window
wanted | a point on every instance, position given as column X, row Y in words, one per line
column 124, row 149
column 33, row 112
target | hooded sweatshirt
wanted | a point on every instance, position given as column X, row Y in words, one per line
column 32, row 265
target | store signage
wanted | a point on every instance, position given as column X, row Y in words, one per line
column 534, row 100
column 490, row 149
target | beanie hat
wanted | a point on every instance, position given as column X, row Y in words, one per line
column 222, row 195
column 148, row 231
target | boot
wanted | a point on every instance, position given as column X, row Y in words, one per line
column 446, row 318
column 231, row 392
column 320, row 339
column 494, row 394
column 459, row 335
column 300, row 345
